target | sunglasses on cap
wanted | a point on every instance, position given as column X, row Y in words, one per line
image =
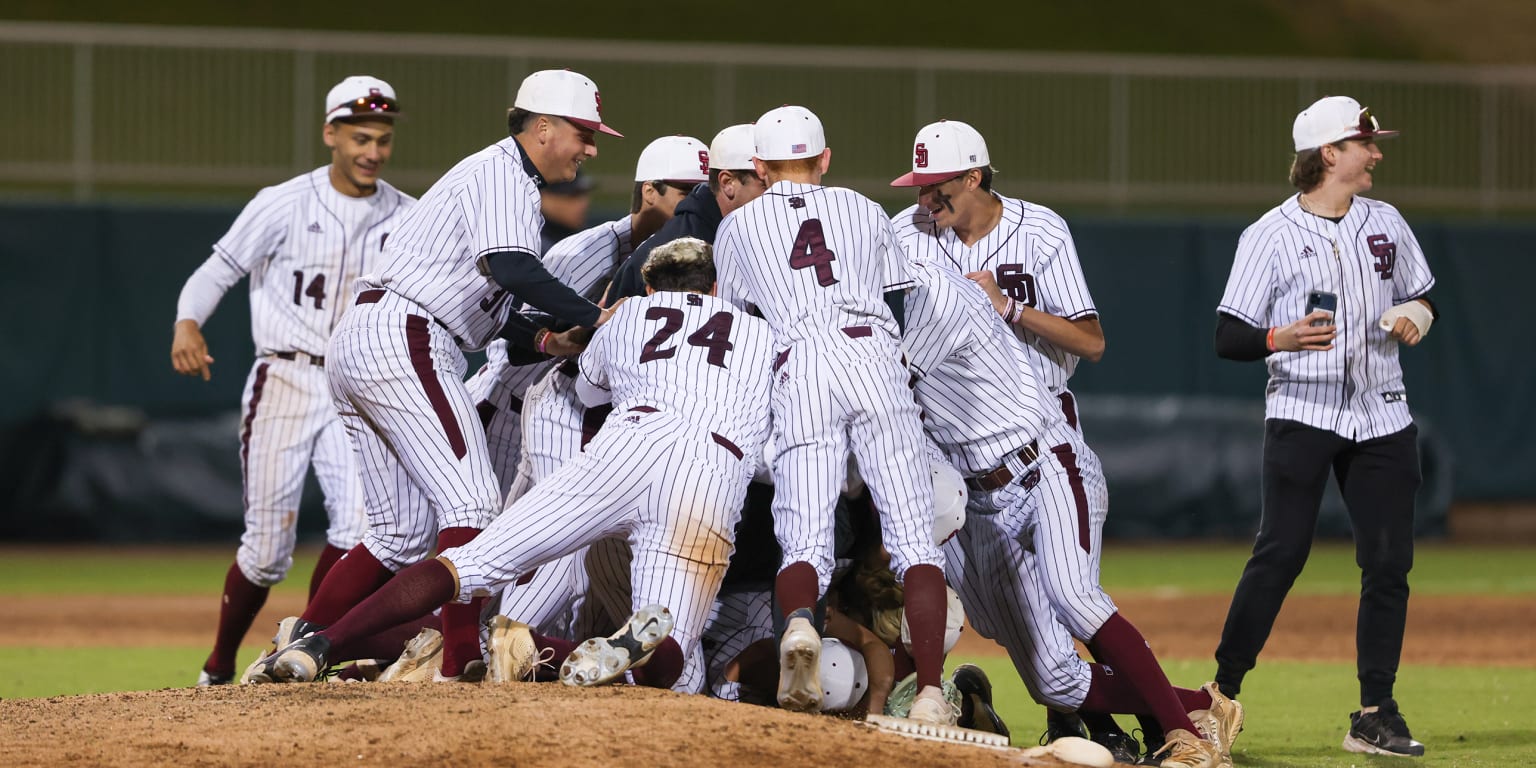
column 1368, row 122
column 372, row 104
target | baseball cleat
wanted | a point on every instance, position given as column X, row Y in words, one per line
column 800, row 666
column 1186, row 750
column 513, row 654
column 976, row 700
column 205, row 679
column 932, row 708
column 301, row 661
column 288, row 630
column 419, row 661
column 602, row 660
column 1220, row 724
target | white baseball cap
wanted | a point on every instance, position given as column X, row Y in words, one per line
column 673, row 158
column 1335, row 118
column 788, row 133
column 844, row 676
column 563, row 93
column 360, row 96
column 942, row 151
column 733, row 148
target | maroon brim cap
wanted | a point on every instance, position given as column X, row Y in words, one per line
column 596, row 126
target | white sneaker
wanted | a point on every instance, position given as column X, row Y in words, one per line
column 800, row 667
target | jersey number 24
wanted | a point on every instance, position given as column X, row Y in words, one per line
column 714, row 335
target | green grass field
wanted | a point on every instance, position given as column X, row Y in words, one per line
column 1297, row 712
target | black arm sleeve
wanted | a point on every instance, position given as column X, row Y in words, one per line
column 519, row 332
column 897, row 301
column 522, row 274
column 1237, row 340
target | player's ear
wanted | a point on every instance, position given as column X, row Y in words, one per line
column 329, row 134
column 713, row 289
column 825, row 161
column 761, row 168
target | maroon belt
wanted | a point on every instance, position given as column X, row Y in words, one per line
column 312, row 359
column 724, row 441
column 370, row 296
column 858, row 331
column 1002, row 476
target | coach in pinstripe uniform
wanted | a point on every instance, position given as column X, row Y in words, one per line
column 303, row 242
column 1324, row 288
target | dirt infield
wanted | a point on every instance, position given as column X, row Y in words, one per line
column 549, row 725
column 1462, row 629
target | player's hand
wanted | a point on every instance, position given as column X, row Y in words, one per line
column 1303, row 336
column 988, row 283
column 607, row 313
column 189, row 352
column 1406, row 332
column 570, row 342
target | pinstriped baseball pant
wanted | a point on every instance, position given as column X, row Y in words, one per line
column 397, row 379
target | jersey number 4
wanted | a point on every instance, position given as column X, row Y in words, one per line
column 316, row 289
column 811, row 252
column 714, row 335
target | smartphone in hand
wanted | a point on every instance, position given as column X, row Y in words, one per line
column 1325, row 301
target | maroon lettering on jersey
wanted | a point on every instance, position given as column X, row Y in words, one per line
column 920, row 156
column 797, row 202
column 1385, row 252
column 1016, row 283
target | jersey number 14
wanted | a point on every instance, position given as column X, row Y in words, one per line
column 316, row 289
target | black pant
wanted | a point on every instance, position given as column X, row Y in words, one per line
column 1378, row 479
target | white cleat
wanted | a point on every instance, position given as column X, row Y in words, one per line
column 514, row 656
column 602, row 660
column 800, row 667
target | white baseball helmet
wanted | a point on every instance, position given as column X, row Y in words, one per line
column 954, row 623
column 949, row 500
column 844, row 678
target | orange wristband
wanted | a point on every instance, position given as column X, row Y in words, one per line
column 1269, row 341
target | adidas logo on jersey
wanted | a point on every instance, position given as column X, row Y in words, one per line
column 315, row 228
column 1307, row 253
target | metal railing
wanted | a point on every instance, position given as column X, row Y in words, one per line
column 186, row 113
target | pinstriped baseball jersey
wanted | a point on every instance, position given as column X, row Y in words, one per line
column 710, row 347
column 1371, row 262
column 981, row 400
column 303, row 244
column 1031, row 255
column 812, row 259
column 487, row 203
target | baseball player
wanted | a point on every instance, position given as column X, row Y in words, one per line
column 1324, row 288
column 817, row 261
column 1023, row 255
column 554, row 425
column 984, row 407
column 303, row 242
column 688, row 378
column 450, row 276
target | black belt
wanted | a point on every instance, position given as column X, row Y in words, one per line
column 1002, row 476
column 311, row 359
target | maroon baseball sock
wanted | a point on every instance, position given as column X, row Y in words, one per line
column 927, row 605
column 556, row 650
column 664, row 667
column 1121, row 646
column 796, row 587
column 241, row 602
column 355, row 576
column 461, row 621
column 411, row 594
column 385, row 644
column 1112, row 693
column 328, row 558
